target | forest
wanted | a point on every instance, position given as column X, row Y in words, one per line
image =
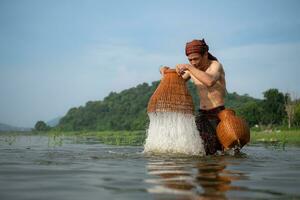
column 127, row 110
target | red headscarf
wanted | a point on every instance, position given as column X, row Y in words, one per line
column 198, row 46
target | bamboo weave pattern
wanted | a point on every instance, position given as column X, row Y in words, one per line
column 171, row 95
column 232, row 130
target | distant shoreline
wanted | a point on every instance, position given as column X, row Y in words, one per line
column 138, row 137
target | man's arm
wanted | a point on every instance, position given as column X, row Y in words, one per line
column 207, row 78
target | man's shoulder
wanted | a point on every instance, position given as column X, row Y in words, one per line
column 215, row 66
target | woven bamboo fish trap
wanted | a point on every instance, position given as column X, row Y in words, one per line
column 232, row 131
column 171, row 95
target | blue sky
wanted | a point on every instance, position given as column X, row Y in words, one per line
column 58, row 54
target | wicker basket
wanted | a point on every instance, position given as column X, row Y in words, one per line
column 232, row 131
column 171, row 95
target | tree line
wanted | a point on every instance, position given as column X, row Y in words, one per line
column 127, row 110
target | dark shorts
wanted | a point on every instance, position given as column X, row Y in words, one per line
column 207, row 121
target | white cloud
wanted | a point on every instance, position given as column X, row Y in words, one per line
column 255, row 68
column 123, row 66
column 50, row 91
column 43, row 93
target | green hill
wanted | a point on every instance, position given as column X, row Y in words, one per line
column 126, row 110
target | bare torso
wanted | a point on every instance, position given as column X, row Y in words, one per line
column 212, row 97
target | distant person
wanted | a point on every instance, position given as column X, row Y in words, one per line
column 208, row 75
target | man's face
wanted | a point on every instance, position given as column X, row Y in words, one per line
column 195, row 59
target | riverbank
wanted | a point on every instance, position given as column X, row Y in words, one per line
column 278, row 136
column 137, row 138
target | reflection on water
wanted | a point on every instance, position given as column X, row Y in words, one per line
column 193, row 178
column 40, row 167
column 215, row 179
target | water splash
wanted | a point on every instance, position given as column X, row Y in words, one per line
column 171, row 132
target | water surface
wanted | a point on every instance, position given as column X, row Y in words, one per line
column 41, row 167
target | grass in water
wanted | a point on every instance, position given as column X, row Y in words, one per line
column 284, row 136
column 137, row 138
column 132, row 138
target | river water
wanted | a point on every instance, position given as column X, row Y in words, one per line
column 41, row 167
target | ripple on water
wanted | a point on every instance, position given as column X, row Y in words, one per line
column 34, row 168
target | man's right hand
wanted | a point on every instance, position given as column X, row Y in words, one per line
column 181, row 68
column 163, row 69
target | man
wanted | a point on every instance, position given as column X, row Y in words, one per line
column 208, row 75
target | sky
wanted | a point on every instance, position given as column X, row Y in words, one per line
column 59, row 54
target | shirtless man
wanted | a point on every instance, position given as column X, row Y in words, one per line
column 208, row 75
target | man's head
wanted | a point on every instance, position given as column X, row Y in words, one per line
column 197, row 52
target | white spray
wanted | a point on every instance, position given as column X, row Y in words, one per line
column 172, row 132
